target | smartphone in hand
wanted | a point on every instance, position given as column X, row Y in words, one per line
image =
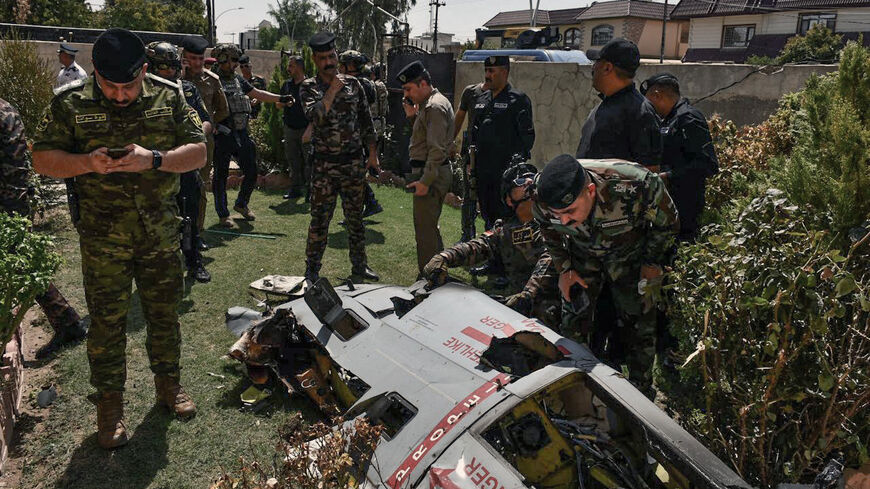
column 116, row 153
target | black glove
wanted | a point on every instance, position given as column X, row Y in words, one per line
column 286, row 99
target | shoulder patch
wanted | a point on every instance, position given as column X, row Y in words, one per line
column 522, row 235
column 164, row 81
column 70, row 86
column 47, row 119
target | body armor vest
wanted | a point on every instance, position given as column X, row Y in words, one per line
column 239, row 103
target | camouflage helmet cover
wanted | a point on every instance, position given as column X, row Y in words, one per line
column 162, row 54
column 224, row 51
column 515, row 175
column 351, row 56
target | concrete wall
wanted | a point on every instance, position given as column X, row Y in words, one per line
column 562, row 94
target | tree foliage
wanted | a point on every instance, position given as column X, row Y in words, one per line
column 71, row 13
column 360, row 26
column 185, row 16
column 296, row 19
column 819, row 45
column 27, row 263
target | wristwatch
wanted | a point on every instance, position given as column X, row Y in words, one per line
column 157, row 162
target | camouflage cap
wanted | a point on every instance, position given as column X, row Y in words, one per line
column 352, row 56
column 560, row 182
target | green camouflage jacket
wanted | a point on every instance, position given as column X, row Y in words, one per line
column 348, row 124
column 80, row 119
column 521, row 249
column 14, row 168
column 633, row 220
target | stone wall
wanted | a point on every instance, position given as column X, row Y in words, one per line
column 562, row 94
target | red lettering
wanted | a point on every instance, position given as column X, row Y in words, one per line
column 480, row 475
column 472, row 467
column 492, row 483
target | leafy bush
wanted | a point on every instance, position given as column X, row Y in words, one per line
column 772, row 305
column 25, row 79
column 779, row 325
column 829, row 168
column 819, row 45
column 27, row 263
column 760, row 60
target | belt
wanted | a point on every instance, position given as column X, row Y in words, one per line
column 422, row 163
column 339, row 158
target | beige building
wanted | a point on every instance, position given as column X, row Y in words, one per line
column 735, row 30
column 592, row 26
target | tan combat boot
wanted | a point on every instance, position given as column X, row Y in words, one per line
column 111, row 431
column 245, row 212
column 172, row 395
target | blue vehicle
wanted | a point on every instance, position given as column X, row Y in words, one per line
column 546, row 55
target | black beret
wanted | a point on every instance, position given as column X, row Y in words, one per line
column 66, row 48
column 497, row 61
column 659, row 79
column 621, row 52
column 194, row 44
column 561, row 181
column 118, row 55
column 322, row 41
column 411, row 72
column 244, row 59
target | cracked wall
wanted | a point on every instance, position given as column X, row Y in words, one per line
column 562, row 94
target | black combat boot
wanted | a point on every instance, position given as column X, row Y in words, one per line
column 363, row 271
column 69, row 334
column 312, row 272
column 198, row 272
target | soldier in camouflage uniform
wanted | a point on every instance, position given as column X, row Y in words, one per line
column 517, row 241
column 15, row 191
column 212, row 93
column 342, row 123
column 127, row 217
column 350, row 63
column 609, row 224
column 236, row 141
column 164, row 61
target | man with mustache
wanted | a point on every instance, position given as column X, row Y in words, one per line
column 341, row 123
column 125, row 136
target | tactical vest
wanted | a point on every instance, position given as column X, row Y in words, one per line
column 238, row 102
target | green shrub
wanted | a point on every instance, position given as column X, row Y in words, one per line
column 27, row 263
column 819, row 45
column 829, row 168
column 760, row 60
column 25, row 79
column 773, row 322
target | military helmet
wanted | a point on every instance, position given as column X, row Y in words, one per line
column 516, row 176
column 350, row 56
column 162, row 55
column 226, row 52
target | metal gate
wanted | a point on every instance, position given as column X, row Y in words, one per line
column 441, row 66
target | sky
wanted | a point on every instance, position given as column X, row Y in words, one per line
column 459, row 17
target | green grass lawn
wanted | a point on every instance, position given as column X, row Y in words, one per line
column 166, row 453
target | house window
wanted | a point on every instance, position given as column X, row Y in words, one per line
column 737, row 36
column 809, row 20
column 602, row 34
column 684, row 34
column 571, row 38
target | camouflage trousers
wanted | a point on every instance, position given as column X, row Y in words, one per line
column 635, row 316
column 110, row 264
column 329, row 180
column 57, row 310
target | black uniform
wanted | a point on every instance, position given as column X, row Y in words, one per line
column 688, row 158
column 503, row 127
column 237, row 143
column 625, row 126
column 191, row 183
